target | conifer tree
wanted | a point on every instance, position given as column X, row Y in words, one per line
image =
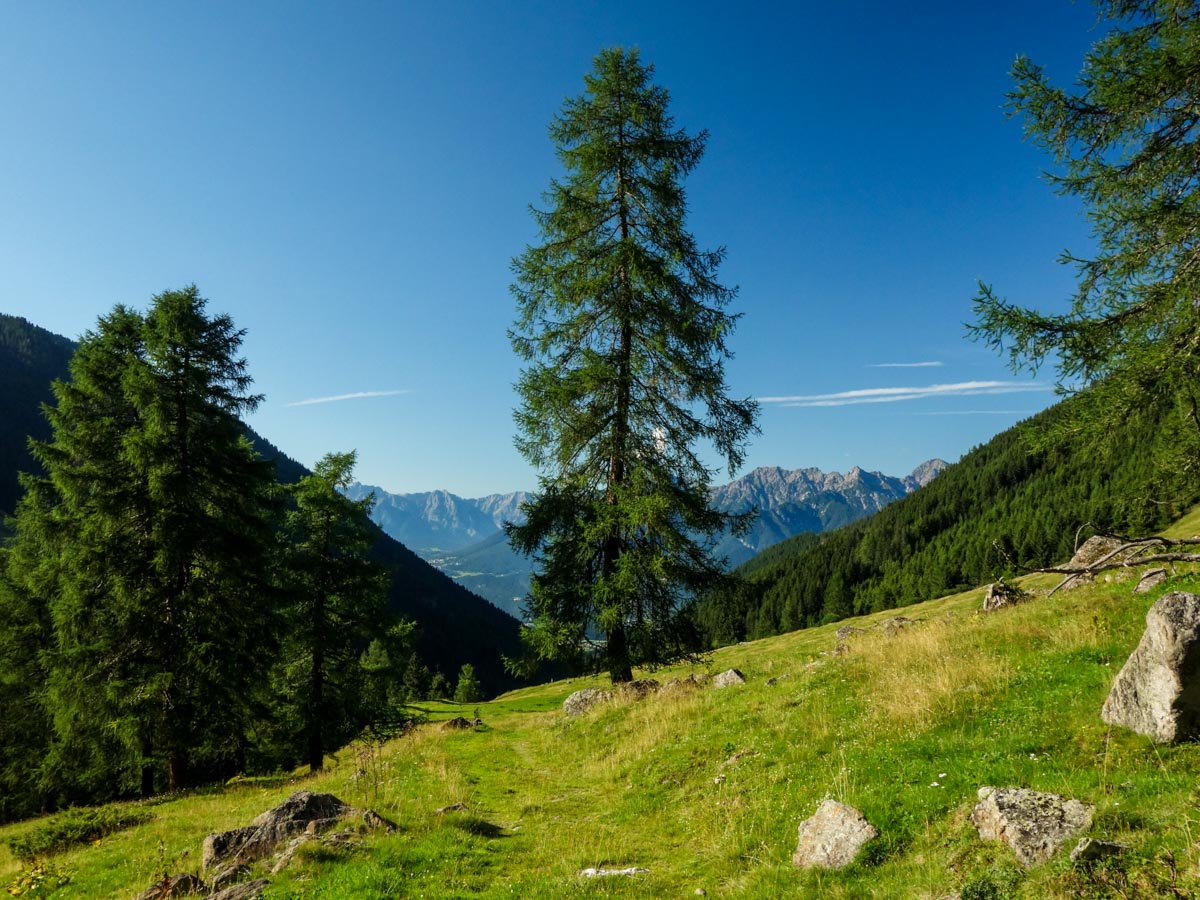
column 416, row 680
column 622, row 326
column 439, row 687
column 467, row 690
column 336, row 602
column 156, row 520
column 1127, row 139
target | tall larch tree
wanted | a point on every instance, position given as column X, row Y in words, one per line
column 160, row 519
column 1126, row 142
column 336, row 606
column 623, row 329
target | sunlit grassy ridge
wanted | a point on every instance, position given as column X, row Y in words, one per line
column 706, row 788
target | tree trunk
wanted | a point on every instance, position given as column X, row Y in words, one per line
column 619, row 668
column 147, row 768
column 316, row 747
column 176, row 770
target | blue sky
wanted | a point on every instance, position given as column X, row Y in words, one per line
column 350, row 182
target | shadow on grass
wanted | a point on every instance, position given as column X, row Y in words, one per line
column 480, row 827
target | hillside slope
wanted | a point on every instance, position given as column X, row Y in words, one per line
column 704, row 789
column 1001, row 504
column 455, row 625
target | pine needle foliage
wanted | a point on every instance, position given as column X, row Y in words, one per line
column 1126, row 140
column 622, row 326
column 336, row 603
column 144, row 551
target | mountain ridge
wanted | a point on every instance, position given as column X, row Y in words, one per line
column 463, row 536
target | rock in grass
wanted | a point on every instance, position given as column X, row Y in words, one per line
column 1090, row 849
column 687, row 683
column 832, row 837
column 604, row 873
column 581, row 701
column 1000, row 596
column 183, row 885
column 231, row 874
column 896, row 624
column 1157, row 692
column 269, row 829
column 249, row 890
column 375, row 822
column 1150, row 581
column 729, row 678
column 638, row 689
column 1096, row 548
column 458, row 723
column 1033, row 824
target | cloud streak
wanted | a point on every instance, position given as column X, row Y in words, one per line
column 897, row 394
column 355, row 396
column 917, row 365
column 975, row 412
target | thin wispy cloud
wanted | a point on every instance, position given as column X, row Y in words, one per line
column 897, row 394
column 358, row 395
column 932, row 364
column 975, row 412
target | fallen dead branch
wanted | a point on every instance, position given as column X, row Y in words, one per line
column 1126, row 555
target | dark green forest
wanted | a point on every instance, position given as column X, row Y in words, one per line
column 317, row 625
column 1006, row 506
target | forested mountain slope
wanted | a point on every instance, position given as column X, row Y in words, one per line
column 30, row 358
column 455, row 626
column 1003, row 504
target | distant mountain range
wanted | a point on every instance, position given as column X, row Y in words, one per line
column 464, row 538
column 438, row 521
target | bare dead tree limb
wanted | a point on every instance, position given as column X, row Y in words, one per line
column 1128, row 554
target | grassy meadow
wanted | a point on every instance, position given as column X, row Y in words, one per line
column 705, row 788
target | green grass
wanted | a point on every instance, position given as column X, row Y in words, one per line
column 74, row 826
column 706, row 789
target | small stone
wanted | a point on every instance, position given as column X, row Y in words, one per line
column 581, row 701
column 1150, row 581
column 638, row 689
column 1090, row 849
column 700, row 892
column 604, row 873
column 227, row 876
column 690, row 683
column 1033, row 824
column 375, row 822
column 1000, row 596
column 846, row 631
column 896, row 624
column 453, row 807
column 250, row 890
column 771, row 682
column 729, row 678
column 832, row 837
column 181, row 885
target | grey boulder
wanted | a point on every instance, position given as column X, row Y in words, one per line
column 832, row 837
column 1157, row 692
column 1033, row 824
